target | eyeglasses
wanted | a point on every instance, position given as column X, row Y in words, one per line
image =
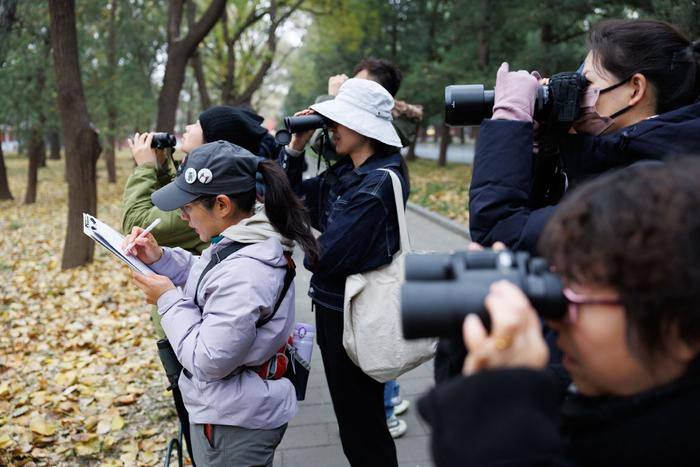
column 576, row 300
column 187, row 208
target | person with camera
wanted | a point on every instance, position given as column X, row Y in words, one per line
column 352, row 204
column 626, row 248
column 228, row 312
column 643, row 79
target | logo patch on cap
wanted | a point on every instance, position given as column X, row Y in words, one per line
column 190, row 175
column 204, row 176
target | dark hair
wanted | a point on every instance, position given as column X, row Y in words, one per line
column 636, row 230
column 286, row 212
column 657, row 50
column 382, row 71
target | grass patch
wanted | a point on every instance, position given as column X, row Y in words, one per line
column 444, row 190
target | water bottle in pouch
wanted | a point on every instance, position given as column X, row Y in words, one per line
column 303, row 340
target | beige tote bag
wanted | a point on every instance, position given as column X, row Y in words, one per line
column 372, row 334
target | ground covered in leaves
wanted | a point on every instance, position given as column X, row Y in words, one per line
column 80, row 380
column 445, row 190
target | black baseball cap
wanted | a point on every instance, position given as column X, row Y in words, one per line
column 210, row 169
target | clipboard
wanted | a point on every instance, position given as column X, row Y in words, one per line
column 112, row 241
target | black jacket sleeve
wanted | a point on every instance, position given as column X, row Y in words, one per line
column 500, row 188
column 496, row 418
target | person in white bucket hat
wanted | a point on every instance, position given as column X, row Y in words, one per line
column 352, row 204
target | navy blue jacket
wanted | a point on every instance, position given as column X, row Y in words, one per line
column 503, row 169
column 355, row 211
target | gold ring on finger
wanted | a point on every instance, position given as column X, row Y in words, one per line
column 503, row 342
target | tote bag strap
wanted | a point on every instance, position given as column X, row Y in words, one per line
column 400, row 213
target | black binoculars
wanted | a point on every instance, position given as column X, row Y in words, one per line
column 299, row 124
column 163, row 140
column 441, row 290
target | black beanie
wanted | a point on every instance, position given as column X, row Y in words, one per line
column 233, row 124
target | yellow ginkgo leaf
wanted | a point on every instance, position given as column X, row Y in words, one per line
column 117, row 423
column 6, row 441
column 66, row 379
column 104, row 426
column 43, row 427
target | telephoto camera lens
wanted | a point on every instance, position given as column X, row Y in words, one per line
column 558, row 101
column 163, row 140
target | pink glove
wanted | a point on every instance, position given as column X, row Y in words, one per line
column 515, row 94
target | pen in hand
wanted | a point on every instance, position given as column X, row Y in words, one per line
column 141, row 235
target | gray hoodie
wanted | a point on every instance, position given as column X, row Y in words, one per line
column 211, row 344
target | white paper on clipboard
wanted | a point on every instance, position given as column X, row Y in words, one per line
column 112, row 240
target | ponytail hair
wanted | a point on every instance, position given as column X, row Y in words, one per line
column 285, row 211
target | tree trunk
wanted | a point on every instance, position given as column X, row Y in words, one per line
column 111, row 100
column 35, row 148
column 42, row 153
column 7, row 18
column 5, row 192
column 196, row 61
column 483, row 37
column 80, row 138
column 204, row 98
column 110, row 156
column 411, row 155
column 54, row 145
column 445, row 137
column 179, row 51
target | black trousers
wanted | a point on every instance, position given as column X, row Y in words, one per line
column 358, row 400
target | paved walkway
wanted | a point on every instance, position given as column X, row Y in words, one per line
column 312, row 438
column 456, row 152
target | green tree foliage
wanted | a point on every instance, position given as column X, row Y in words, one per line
column 441, row 42
column 139, row 38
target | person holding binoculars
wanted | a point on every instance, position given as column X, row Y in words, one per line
column 626, row 248
column 639, row 85
column 352, row 204
column 236, row 125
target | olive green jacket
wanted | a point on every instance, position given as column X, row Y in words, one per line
column 139, row 211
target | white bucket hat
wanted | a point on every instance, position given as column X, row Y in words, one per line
column 363, row 106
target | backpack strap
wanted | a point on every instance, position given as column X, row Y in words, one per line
column 288, row 278
column 219, row 256
column 216, row 258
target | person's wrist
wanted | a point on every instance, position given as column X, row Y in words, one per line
column 294, row 151
column 158, row 256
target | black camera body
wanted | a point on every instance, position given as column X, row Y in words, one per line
column 299, row 124
column 558, row 101
column 441, row 290
column 163, row 141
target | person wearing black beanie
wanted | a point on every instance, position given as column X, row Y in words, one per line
column 237, row 125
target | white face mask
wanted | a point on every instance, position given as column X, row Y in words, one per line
column 591, row 122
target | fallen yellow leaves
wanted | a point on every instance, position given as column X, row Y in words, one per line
column 444, row 190
column 43, row 427
column 80, row 380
